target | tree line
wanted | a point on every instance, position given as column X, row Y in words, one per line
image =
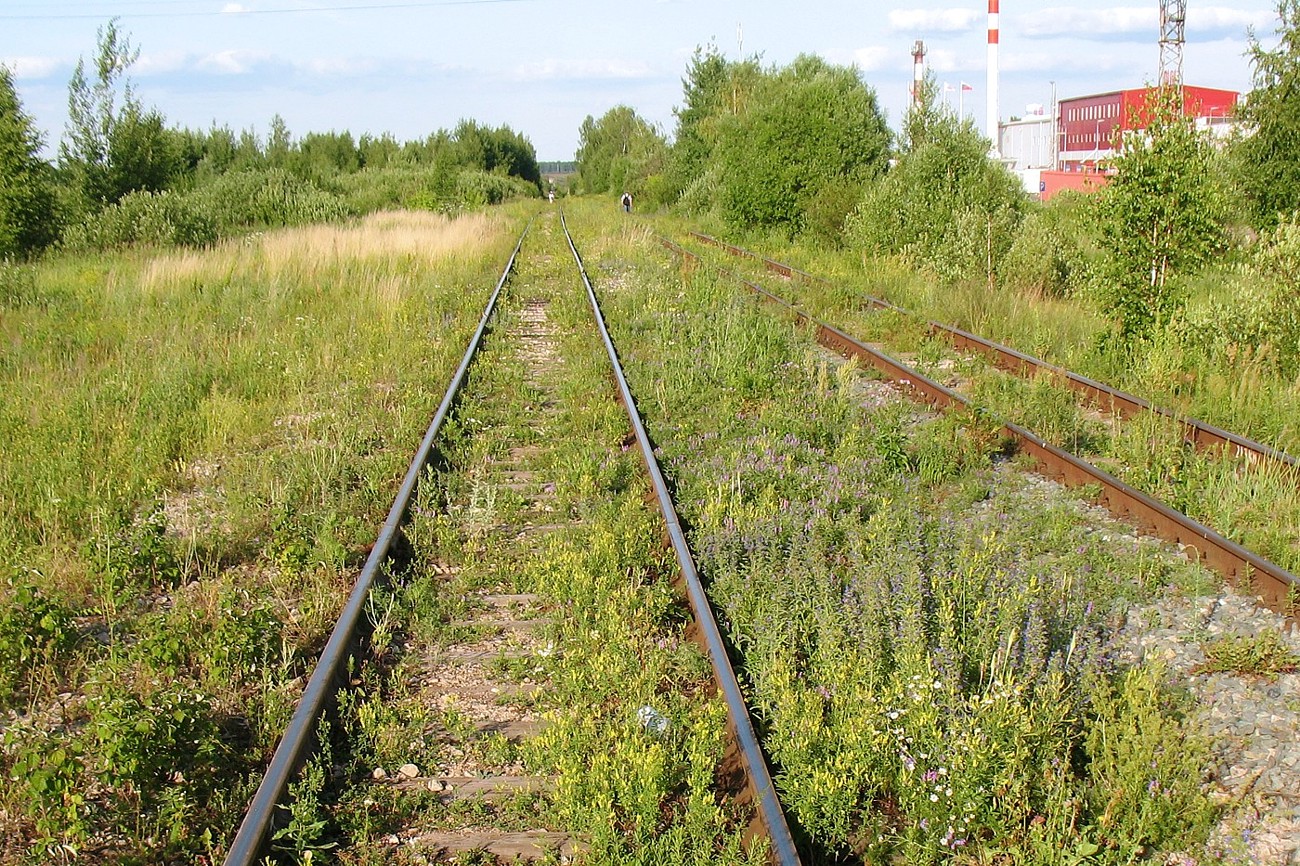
column 120, row 167
column 804, row 151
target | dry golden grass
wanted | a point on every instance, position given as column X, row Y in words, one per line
column 383, row 243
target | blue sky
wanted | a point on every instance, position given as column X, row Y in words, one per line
column 541, row 66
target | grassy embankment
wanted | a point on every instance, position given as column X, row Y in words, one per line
column 198, row 446
column 924, row 636
column 1241, row 391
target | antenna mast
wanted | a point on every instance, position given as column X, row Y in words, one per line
column 1173, row 25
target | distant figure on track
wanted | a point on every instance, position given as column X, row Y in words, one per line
column 552, row 196
column 627, row 202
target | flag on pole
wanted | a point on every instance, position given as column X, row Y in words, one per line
column 948, row 88
column 966, row 88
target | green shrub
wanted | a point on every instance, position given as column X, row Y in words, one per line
column 1055, row 251
column 945, row 206
column 481, row 188
column 143, row 219
column 266, row 198
column 1263, row 654
column 34, row 629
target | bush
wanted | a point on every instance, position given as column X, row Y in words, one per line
column 945, row 205
column 265, row 199
column 808, row 127
column 143, row 218
column 33, row 630
column 1261, row 321
column 481, row 188
column 1055, row 251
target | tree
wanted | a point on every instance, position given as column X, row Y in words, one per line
column 1268, row 157
column 28, row 217
column 619, row 152
column 1163, row 213
column 109, row 151
column 714, row 88
column 811, row 136
column 499, row 151
column 945, row 204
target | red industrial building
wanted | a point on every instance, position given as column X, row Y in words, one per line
column 1073, row 149
column 1089, row 128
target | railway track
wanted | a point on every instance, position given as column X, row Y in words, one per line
column 1274, row 585
column 519, row 565
column 1200, row 434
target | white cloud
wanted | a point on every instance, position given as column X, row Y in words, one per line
column 553, row 70
column 876, row 57
column 1136, row 20
column 1221, row 19
column 1074, row 21
column 162, row 62
column 930, row 20
column 231, row 62
column 233, row 9
column 1057, row 64
column 945, row 60
column 31, row 67
column 340, row 66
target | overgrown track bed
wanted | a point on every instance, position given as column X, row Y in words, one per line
column 534, row 686
column 1275, row 585
column 953, row 659
column 1199, row 434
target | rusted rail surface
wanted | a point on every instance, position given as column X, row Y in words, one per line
column 760, row 779
column 1201, row 435
column 1273, row 584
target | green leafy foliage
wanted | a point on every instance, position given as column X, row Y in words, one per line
column 113, row 145
column 1264, row 654
column 1162, row 214
column 34, row 630
column 1056, row 251
column 808, row 132
column 263, row 199
column 618, row 152
column 1268, row 158
column 28, row 216
column 1145, row 766
column 143, row 219
column 714, row 88
column 945, row 205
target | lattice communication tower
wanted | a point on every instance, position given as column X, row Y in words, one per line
column 1173, row 26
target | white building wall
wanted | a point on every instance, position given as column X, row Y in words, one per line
column 1027, row 143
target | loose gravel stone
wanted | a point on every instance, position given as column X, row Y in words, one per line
column 1253, row 723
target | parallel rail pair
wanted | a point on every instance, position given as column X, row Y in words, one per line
column 1201, row 435
column 255, row 833
column 1273, row 584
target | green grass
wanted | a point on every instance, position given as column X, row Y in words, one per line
column 922, row 639
column 199, row 446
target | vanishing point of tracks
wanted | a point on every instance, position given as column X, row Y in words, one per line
column 481, row 678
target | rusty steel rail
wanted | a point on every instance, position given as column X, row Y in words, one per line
column 331, row 669
column 760, row 779
column 1272, row 583
column 1201, row 435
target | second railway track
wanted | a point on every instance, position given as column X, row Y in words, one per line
column 1272, row 582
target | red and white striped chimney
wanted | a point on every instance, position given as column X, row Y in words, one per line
column 918, row 71
column 991, row 118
